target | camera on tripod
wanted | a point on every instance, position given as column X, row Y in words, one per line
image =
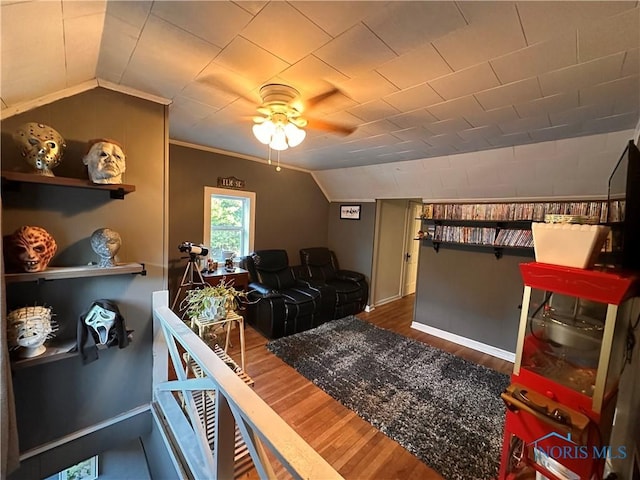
column 193, row 249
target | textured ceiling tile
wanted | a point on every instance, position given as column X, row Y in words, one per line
column 413, row 133
column 119, row 39
column 415, row 67
column 498, row 115
column 582, row 75
column 539, row 58
column 413, row 98
column 82, row 46
column 459, row 107
column 577, row 115
column 416, row 117
column 377, row 127
column 250, row 60
column 484, row 132
column 493, row 31
column 405, row 25
column 366, row 87
column 312, row 75
column 373, row 110
column 199, row 18
column 542, row 20
column 627, row 88
column 341, row 16
column 553, row 103
column 510, row 140
column 613, row 123
column 134, row 14
column 443, row 140
column 512, row 93
column 72, row 9
column 465, row 82
column 153, row 58
column 610, row 35
column 525, row 124
column 23, row 53
column 631, row 65
column 451, row 125
column 355, row 51
column 307, row 36
column 551, row 133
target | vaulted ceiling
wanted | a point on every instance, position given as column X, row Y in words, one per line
column 419, row 79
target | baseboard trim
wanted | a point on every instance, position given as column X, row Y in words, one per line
column 369, row 308
column 384, row 301
column 466, row 342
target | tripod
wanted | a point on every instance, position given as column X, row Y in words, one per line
column 189, row 279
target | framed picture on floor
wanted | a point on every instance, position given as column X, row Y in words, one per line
column 350, row 212
column 85, row 470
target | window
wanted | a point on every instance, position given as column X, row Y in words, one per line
column 228, row 222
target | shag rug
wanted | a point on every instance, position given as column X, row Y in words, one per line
column 443, row 409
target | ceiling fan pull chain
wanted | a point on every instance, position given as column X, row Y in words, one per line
column 269, row 155
column 278, row 167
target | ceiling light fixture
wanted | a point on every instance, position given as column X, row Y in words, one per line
column 281, row 127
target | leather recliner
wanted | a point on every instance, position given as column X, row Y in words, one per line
column 279, row 304
column 349, row 289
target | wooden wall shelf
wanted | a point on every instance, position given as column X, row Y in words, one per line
column 59, row 273
column 14, row 179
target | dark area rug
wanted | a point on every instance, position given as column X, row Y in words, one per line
column 443, row 409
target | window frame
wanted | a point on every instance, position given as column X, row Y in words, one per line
column 227, row 192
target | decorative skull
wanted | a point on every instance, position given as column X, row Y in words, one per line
column 41, row 146
column 105, row 161
column 31, row 249
column 29, row 328
column 106, row 243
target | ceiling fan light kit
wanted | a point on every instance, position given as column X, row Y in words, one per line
column 282, row 125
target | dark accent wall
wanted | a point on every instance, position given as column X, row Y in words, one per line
column 471, row 294
column 352, row 240
column 291, row 210
column 60, row 398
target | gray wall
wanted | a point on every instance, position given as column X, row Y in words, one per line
column 471, row 294
column 352, row 240
column 291, row 210
column 59, row 398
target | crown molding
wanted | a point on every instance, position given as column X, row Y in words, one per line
column 133, row 92
column 47, row 99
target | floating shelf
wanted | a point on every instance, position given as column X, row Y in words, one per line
column 117, row 191
column 58, row 273
column 56, row 350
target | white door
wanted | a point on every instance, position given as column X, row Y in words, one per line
column 412, row 248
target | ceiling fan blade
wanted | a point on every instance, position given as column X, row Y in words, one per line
column 323, row 125
column 313, row 101
column 230, row 86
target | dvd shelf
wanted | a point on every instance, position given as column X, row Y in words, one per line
column 499, row 226
column 532, row 211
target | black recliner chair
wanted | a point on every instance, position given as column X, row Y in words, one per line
column 350, row 289
column 279, row 304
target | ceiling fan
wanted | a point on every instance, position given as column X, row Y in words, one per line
column 281, row 122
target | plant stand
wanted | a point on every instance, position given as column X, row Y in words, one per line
column 204, row 325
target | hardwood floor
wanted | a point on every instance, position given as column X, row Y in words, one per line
column 351, row 445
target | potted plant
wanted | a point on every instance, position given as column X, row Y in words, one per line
column 212, row 302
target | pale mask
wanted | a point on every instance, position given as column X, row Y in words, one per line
column 29, row 328
column 101, row 321
column 105, row 162
column 106, row 243
column 41, row 146
column 31, row 249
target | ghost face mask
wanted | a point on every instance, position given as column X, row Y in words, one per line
column 101, row 321
column 41, row 146
column 31, row 249
column 105, row 162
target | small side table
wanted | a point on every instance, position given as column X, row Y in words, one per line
column 204, row 324
column 238, row 276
